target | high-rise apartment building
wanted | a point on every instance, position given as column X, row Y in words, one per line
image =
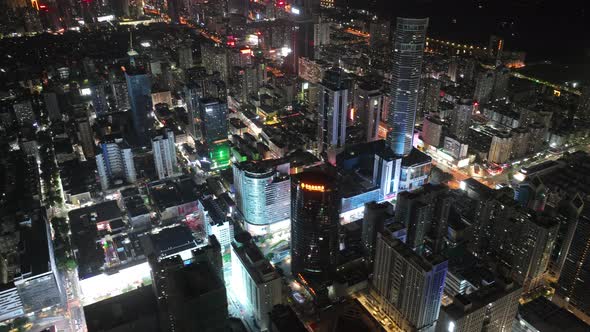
column 115, row 163
column 368, row 104
column 408, row 287
column 263, row 194
column 484, row 87
column 379, row 32
column 530, row 249
column 461, row 119
column 164, row 151
column 424, row 212
column 432, row 131
column 314, row 224
column 501, row 83
column 215, row 59
column 573, row 287
column 185, row 56
column 500, row 148
column 408, row 45
column 430, row 91
column 373, row 223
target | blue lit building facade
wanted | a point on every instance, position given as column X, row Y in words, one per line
column 409, row 41
column 139, row 86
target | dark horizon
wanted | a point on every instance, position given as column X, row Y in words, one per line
column 543, row 30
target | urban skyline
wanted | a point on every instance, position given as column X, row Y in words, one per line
column 294, row 165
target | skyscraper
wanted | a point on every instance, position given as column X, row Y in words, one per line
column 214, row 131
column 333, row 111
column 484, row 87
column 314, row 224
column 139, row 87
column 263, row 194
column 408, row 287
column 425, row 213
column 408, row 44
column 368, row 103
column 164, row 151
column 213, row 115
column 573, row 287
column 373, row 221
column 115, row 163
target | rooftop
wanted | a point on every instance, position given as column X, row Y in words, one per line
column 426, row 264
column 465, row 304
column 258, row 267
column 173, row 192
column 135, row 310
column 546, row 316
column 171, row 240
column 196, row 279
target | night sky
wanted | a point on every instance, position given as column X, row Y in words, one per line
column 545, row 29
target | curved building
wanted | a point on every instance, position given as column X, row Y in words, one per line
column 409, row 41
column 262, row 194
column 314, row 224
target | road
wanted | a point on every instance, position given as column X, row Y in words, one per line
column 75, row 309
column 505, row 177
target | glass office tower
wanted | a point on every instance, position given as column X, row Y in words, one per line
column 409, row 41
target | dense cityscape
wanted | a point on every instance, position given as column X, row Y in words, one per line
column 293, row 165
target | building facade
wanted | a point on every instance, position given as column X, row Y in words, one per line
column 408, row 44
column 115, row 164
column 314, row 224
column 164, row 151
column 407, row 286
column 263, row 194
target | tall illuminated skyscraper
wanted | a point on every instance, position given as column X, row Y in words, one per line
column 408, row 44
column 139, row 86
column 213, row 116
column 314, row 224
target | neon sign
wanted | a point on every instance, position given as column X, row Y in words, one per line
column 312, row 187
